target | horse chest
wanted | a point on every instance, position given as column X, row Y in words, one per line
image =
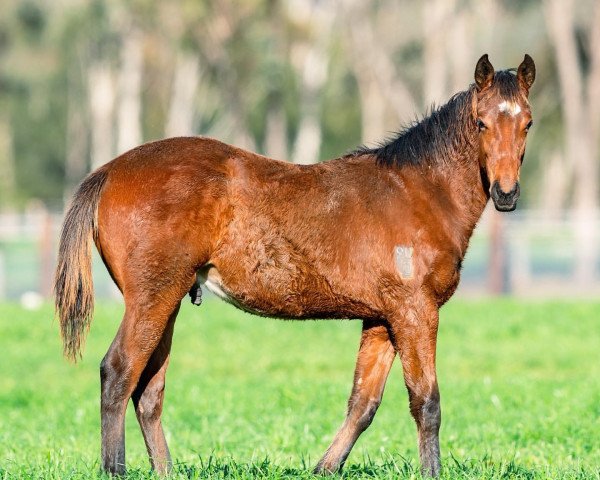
column 445, row 278
column 438, row 269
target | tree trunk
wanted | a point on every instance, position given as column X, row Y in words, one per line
column 461, row 54
column 437, row 19
column 276, row 132
column 102, row 99
column 313, row 74
column 382, row 91
column 578, row 131
column 593, row 84
column 498, row 283
column 7, row 166
column 76, row 164
column 372, row 107
column 310, row 58
column 180, row 120
column 213, row 40
column 130, row 91
column 556, row 175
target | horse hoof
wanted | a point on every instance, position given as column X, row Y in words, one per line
column 431, row 471
column 323, row 470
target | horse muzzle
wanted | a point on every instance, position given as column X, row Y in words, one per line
column 505, row 201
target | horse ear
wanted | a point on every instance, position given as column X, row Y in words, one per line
column 484, row 73
column 526, row 73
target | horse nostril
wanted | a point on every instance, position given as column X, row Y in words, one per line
column 497, row 189
column 505, row 200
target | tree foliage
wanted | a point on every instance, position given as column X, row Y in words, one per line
column 270, row 75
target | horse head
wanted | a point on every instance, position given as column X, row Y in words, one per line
column 503, row 117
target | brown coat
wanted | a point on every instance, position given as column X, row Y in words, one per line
column 377, row 235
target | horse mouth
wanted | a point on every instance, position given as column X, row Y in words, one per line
column 505, row 208
column 505, row 201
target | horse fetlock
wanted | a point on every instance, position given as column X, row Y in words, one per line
column 429, row 451
column 431, row 467
column 113, row 468
column 162, row 466
column 327, row 465
column 113, row 453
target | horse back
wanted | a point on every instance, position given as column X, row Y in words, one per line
column 272, row 237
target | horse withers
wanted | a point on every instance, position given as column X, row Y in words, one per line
column 378, row 235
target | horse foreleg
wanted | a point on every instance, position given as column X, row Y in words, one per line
column 414, row 335
column 148, row 401
column 375, row 357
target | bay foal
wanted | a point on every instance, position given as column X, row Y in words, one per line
column 377, row 235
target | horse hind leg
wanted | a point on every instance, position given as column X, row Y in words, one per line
column 148, row 401
column 375, row 357
column 141, row 339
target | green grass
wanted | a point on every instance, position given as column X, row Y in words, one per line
column 249, row 397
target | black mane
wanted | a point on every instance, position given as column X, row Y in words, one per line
column 441, row 132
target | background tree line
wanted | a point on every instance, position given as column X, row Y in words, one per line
column 84, row 80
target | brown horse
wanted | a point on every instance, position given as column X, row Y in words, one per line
column 377, row 235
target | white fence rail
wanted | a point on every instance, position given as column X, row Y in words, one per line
column 525, row 253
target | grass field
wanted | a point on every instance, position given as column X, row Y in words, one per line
column 249, row 397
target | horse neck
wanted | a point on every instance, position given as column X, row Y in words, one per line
column 465, row 187
column 458, row 171
column 444, row 150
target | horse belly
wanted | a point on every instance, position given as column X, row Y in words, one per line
column 282, row 295
column 214, row 285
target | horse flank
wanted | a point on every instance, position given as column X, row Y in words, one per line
column 73, row 284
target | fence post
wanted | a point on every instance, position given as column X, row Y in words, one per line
column 520, row 260
column 46, row 253
column 498, row 282
column 2, row 278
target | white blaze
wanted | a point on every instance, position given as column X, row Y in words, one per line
column 511, row 108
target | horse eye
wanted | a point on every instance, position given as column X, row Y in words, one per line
column 529, row 125
column 480, row 125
